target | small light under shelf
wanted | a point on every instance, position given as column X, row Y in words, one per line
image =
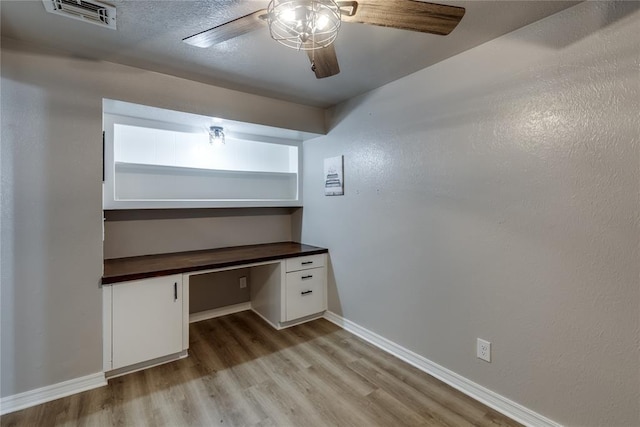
column 216, row 135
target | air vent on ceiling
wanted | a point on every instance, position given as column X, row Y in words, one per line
column 92, row 11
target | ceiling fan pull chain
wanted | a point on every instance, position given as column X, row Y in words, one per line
column 313, row 52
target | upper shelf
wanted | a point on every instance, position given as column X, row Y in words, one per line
column 159, row 164
column 157, row 183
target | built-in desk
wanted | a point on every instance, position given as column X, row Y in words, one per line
column 141, row 267
column 146, row 298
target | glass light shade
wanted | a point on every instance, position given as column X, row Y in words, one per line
column 216, row 135
column 304, row 24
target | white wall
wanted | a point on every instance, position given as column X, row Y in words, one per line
column 51, row 210
column 496, row 195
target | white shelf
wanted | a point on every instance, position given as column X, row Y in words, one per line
column 148, row 186
column 259, row 172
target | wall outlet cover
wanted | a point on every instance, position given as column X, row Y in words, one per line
column 483, row 350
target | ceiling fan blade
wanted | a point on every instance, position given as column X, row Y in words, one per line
column 228, row 30
column 324, row 62
column 407, row 15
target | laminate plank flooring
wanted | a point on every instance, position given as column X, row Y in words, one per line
column 242, row 372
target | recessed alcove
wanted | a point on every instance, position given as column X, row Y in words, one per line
column 156, row 159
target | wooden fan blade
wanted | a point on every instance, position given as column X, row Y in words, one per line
column 228, row 30
column 407, row 15
column 324, row 62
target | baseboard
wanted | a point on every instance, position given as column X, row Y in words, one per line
column 500, row 403
column 109, row 375
column 52, row 392
column 300, row 321
column 284, row 325
column 218, row 312
column 274, row 326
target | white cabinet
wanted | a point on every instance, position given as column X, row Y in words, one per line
column 147, row 320
column 291, row 291
column 305, row 286
column 305, row 293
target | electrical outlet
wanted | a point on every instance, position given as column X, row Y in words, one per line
column 483, row 350
column 243, row 282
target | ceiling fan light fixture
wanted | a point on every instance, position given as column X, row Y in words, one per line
column 304, row 24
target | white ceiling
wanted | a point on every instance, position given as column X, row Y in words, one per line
column 149, row 34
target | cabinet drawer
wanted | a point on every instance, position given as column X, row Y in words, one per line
column 304, row 262
column 305, row 293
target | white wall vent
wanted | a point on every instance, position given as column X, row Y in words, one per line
column 91, row 11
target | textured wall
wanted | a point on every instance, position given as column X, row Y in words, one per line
column 496, row 195
column 51, row 210
column 51, row 246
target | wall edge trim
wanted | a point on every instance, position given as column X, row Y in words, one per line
column 482, row 394
column 51, row 392
column 219, row 312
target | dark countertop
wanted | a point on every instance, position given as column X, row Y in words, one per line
column 141, row 267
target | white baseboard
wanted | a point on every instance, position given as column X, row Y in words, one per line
column 493, row 400
column 284, row 325
column 274, row 326
column 146, row 365
column 51, row 392
column 218, row 312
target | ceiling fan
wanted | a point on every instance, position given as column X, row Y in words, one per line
column 312, row 25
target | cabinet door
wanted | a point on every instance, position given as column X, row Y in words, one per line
column 305, row 293
column 147, row 319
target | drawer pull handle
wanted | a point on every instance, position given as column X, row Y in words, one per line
column 310, row 276
column 306, row 262
column 306, row 292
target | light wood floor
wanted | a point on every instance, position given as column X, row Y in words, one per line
column 242, row 372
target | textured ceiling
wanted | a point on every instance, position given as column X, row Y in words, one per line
column 149, row 36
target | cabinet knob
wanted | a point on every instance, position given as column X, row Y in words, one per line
column 175, row 291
